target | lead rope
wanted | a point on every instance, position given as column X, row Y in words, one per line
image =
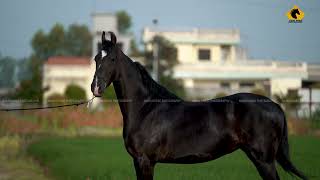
column 89, row 102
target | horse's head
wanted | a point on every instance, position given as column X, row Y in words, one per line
column 294, row 13
column 106, row 65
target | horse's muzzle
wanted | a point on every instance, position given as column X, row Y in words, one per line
column 96, row 92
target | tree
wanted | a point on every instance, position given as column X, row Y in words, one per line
column 24, row 72
column 56, row 40
column 31, row 89
column 167, row 53
column 315, row 119
column 40, row 44
column 124, row 21
column 134, row 51
column 168, row 59
column 78, row 40
column 7, row 72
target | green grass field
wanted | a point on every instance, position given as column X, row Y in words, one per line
column 106, row 158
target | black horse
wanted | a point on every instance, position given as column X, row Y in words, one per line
column 160, row 127
column 294, row 13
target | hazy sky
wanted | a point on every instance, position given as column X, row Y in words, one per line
column 264, row 28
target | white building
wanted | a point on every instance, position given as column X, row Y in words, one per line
column 211, row 61
column 108, row 22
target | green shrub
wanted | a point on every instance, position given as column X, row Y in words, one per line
column 220, row 94
column 56, row 99
column 315, row 119
column 173, row 85
column 259, row 92
column 109, row 93
column 291, row 102
column 75, row 92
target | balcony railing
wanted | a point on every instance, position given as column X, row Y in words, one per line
column 249, row 63
column 253, row 69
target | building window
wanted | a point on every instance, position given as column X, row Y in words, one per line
column 225, row 52
column 247, row 84
column 204, row 54
column 225, row 85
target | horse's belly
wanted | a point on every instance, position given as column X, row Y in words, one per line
column 189, row 159
column 197, row 158
column 197, row 151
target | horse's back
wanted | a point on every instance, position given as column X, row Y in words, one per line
column 256, row 105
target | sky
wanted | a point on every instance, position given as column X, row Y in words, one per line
column 265, row 31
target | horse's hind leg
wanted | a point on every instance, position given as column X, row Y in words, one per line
column 144, row 168
column 265, row 167
column 267, row 171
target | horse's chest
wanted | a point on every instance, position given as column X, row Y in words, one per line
column 140, row 142
column 134, row 143
column 130, row 146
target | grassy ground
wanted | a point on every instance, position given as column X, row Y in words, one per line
column 14, row 164
column 21, row 168
column 106, row 158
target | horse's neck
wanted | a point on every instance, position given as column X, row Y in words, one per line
column 129, row 90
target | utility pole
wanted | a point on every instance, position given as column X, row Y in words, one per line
column 155, row 64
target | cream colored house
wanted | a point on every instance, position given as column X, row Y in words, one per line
column 211, row 61
column 61, row 71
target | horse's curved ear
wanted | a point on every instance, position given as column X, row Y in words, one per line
column 103, row 37
column 113, row 37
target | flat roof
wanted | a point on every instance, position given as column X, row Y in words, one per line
column 68, row 60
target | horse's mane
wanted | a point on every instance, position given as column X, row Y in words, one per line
column 156, row 90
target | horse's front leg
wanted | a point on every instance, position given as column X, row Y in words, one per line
column 144, row 168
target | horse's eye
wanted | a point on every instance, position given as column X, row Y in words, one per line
column 112, row 59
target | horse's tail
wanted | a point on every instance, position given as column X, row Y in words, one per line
column 283, row 156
